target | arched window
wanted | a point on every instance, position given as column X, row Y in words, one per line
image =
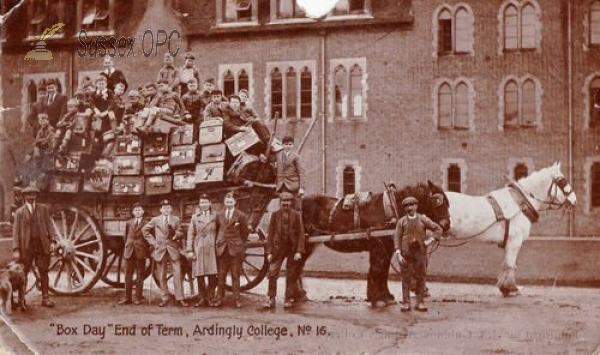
column 528, row 26
column 356, row 91
column 528, row 103
column 341, row 91
column 305, row 93
column 595, row 22
column 454, row 178
column 520, row 171
column 290, row 93
column 463, row 31
column 243, row 81
column 462, row 106
column 228, row 84
column 445, row 31
column 276, row 92
column 349, row 181
column 511, row 104
column 445, row 106
column 511, row 27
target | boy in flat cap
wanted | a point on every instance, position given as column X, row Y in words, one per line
column 285, row 241
column 410, row 241
column 135, row 253
column 164, row 235
column 186, row 72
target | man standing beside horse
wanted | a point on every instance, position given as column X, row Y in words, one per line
column 410, row 242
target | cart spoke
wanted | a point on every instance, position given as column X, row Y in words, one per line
column 76, row 269
column 64, row 222
column 74, row 225
column 87, row 255
column 86, row 266
column 60, row 235
column 60, row 270
column 260, row 255
column 252, row 265
column 82, row 232
column 69, row 277
column 53, row 264
column 85, row 244
column 245, row 275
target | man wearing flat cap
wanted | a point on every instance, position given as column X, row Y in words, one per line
column 285, row 241
column 34, row 238
column 410, row 241
column 164, row 235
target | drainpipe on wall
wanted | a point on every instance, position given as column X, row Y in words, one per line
column 323, row 115
column 570, row 83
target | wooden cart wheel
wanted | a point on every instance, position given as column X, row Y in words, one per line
column 190, row 285
column 80, row 256
column 255, row 265
column 114, row 271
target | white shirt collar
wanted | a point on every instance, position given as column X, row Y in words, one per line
column 412, row 217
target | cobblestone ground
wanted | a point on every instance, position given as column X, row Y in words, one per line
column 462, row 319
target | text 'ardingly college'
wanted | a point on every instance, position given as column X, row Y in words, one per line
column 214, row 330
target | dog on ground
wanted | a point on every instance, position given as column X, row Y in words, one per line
column 12, row 279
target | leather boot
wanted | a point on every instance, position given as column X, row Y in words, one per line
column 270, row 304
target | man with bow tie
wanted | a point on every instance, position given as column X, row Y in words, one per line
column 232, row 233
column 163, row 233
column 200, row 247
column 34, row 238
column 135, row 252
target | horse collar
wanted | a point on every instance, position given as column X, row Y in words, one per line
column 520, row 197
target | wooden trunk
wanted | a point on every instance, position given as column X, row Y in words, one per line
column 211, row 132
column 183, row 155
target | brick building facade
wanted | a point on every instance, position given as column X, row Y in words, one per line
column 462, row 93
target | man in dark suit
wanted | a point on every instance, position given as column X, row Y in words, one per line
column 40, row 106
column 135, row 254
column 113, row 75
column 232, row 233
column 57, row 103
column 286, row 241
column 164, row 235
column 34, row 238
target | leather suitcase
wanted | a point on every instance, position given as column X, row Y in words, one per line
column 209, row 172
column 128, row 185
column 212, row 153
column 65, row 183
column 183, row 155
column 99, row 177
column 159, row 184
column 182, row 135
column 127, row 165
column 155, row 143
column 67, row 163
column 184, row 180
column 241, row 141
column 128, row 145
column 211, row 132
column 158, row 165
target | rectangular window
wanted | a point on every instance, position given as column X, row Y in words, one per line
column 287, row 9
column 454, row 178
column 595, row 23
column 349, row 181
column 44, row 14
column 595, row 181
column 305, row 94
column 236, row 10
column 352, row 7
column 276, row 94
column 96, row 15
column 290, row 90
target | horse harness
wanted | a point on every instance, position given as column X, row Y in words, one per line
column 520, row 198
column 350, row 202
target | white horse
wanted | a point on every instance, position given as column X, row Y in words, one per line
column 505, row 216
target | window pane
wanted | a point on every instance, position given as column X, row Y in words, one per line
column 237, row 10
column 595, row 103
column 243, row 81
column 348, row 181
column 454, row 178
column 276, row 93
column 464, row 31
column 285, row 8
column 356, row 6
column 510, row 28
column 595, row 23
column 462, row 106
column 305, row 93
column 341, row 92
column 520, row 171
column 595, row 181
column 356, row 92
column 529, row 103
column 341, row 7
column 511, row 104
column 228, row 84
column 528, row 27
column 445, row 36
column 445, row 106
column 290, row 94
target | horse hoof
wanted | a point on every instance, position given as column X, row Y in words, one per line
column 379, row 304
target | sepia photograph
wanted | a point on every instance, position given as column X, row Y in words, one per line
column 364, row 177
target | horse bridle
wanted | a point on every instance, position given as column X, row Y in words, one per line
column 557, row 183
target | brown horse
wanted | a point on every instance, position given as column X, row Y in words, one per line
column 324, row 215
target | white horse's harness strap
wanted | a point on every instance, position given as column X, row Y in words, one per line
column 500, row 217
column 526, row 206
